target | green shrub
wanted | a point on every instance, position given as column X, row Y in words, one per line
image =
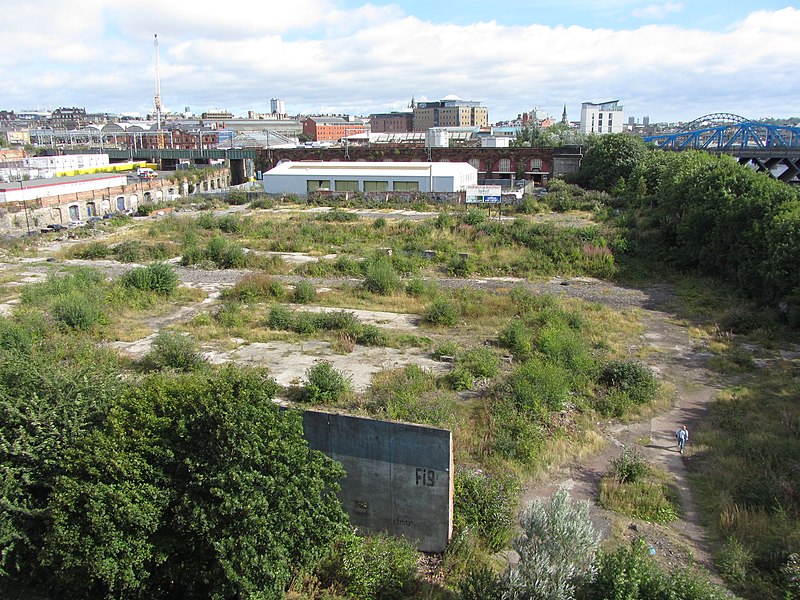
column 446, row 348
column 173, row 350
column 130, row 251
column 347, row 265
column 486, row 503
column 517, row 338
column 256, row 287
column 538, row 387
column 280, row 317
column 629, row 467
column 377, row 566
column 379, row 223
column 556, row 548
column 480, row 362
column 337, row 320
column 441, row 312
column 565, row 347
column 338, row 216
column 734, row 561
column 371, row 335
column 325, row 384
column 632, row 378
column 159, row 277
column 473, row 216
column 380, row 276
column 416, row 287
column 461, row 266
column 192, row 255
column 305, row 322
column 481, row 583
column 629, row 573
column 444, row 220
column 459, row 379
column 304, row 292
column 77, row 311
column 230, row 314
column 94, row 250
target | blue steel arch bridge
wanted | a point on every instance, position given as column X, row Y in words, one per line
column 774, row 149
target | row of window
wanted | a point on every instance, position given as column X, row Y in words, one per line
column 351, row 185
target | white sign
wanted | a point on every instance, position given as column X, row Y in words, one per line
column 483, row 194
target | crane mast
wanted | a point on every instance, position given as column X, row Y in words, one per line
column 157, row 97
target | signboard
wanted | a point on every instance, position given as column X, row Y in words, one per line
column 483, row 194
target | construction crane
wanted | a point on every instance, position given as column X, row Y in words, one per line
column 157, row 97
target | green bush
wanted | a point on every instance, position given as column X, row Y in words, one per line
column 280, row 317
column 632, row 378
column 380, row 276
column 461, row 266
column 94, row 250
column 379, row 223
column 482, row 363
column 538, row 387
column 556, row 548
column 487, row 504
column 305, row 322
column 173, row 350
column 337, row 320
column 564, row 346
column 130, row 251
column 377, row 566
column 230, row 314
column 338, row 216
column 446, row 348
column 629, row 467
column 416, row 287
column 304, row 292
column 325, row 384
column 371, row 335
column 159, row 277
column 441, row 312
column 481, row 583
column 459, row 379
column 734, row 561
column 629, row 573
column 517, row 338
column 256, row 287
column 77, row 311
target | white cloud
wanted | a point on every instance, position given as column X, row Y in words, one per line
column 656, row 12
column 317, row 57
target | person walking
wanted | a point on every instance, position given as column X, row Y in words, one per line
column 683, row 437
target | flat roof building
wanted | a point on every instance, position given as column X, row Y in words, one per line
column 303, row 177
column 602, row 117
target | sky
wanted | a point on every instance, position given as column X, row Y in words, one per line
column 670, row 61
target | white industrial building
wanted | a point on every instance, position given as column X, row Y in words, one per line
column 303, row 177
column 602, row 117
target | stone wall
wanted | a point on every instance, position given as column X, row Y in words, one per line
column 399, row 476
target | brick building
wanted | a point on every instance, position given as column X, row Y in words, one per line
column 393, row 122
column 333, row 129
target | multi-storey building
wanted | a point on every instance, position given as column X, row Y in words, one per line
column 602, row 117
column 333, row 129
column 393, row 122
column 450, row 112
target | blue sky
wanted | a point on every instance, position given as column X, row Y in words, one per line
column 671, row 60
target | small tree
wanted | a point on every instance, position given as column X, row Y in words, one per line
column 556, row 549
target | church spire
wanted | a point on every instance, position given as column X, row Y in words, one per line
column 564, row 114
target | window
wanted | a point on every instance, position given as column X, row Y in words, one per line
column 376, row 186
column 536, row 164
column 504, row 165
column 406, row 186
column 120, row 202
column 312, row 185
column 345, row 185
column 475, row 162
column 91, row 210
column 74, row 213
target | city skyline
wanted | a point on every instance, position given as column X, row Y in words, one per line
column 670, row 61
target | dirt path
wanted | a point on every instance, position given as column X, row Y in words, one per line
column 678, row 361
column 669, row 351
